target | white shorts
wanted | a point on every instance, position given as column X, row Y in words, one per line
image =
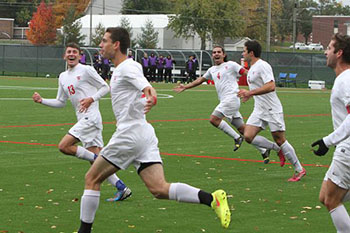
column 229, row 108
column 339, row 173
column 275, row 121
column 133, row 145
column 88, row 131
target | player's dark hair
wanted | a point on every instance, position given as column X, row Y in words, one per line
column 342, row 42
column 253, row 45
column 223, row 51
column 122, row 35
column 73, row 45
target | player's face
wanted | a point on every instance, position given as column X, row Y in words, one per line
column 331, row 56
column 245, row 54
column 107, row 47
column 72, row 56
column 218, row 55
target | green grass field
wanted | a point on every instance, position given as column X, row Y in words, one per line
column 40, row 188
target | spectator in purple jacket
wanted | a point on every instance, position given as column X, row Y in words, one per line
column 130, row 55
column 145, row 66
column 106, row 67
column 191, row 69
column 169, row 63
column 82, row 58
column 160, row 68
column 152, row 67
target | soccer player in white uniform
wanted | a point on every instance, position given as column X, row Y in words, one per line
column 336, row 184
column 225, row 76
column 267, row 109
column 134, row 142
column 84, row 87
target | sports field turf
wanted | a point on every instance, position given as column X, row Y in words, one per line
column 40, row 188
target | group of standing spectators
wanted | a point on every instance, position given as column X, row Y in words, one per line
column 157, row 69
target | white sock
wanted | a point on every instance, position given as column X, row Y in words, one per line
column 260, row 149
column 289, row 153
column 346, row 197
column 341, row 219
column 228, row 130
column 113, row 179
column 83, row 153
column 89, row 204
column 260, row 141
column 183, row 193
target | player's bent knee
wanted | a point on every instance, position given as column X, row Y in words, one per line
column 248, row 139
column 159, row 192
column 63, row 149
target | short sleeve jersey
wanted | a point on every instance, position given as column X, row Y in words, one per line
column 340, row 101
column 80, row 82
column 225, row 77
column 127, row 83
column 259, row 74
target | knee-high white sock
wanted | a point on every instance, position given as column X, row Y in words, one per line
column 83, row 153
column 260, row 141
column 341, row 219
column 183, row 193
column 113, row 179
column 289, row 153
column 89, row 204
column 228, row 130
column 260, row 149
column 346, row 197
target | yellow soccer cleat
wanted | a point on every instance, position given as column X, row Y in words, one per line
column 220, row 205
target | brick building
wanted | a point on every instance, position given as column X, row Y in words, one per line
column 6, row 28
column 324, row 26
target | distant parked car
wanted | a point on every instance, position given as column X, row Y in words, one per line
column 301, row 46
column 315, row 46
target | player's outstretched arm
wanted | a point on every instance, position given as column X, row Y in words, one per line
column 197, row 82
column 151, row 98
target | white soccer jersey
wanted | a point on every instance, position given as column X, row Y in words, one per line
column 80, row 82
column 225, row 77
column 259, row 74
column 340, row 100
column 127, row 83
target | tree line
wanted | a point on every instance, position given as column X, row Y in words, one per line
column 211, row 20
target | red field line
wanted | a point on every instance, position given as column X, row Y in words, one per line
column 174, row 154
column 151, row 121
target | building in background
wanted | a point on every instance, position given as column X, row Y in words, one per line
column 166, row 37
column 6, row 28
column 324, row 26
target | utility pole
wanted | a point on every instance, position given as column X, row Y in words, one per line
column 90, row 39
column 294, row 23
column 268, row 33
column 104, row 6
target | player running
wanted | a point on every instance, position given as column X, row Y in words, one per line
column 84, row 87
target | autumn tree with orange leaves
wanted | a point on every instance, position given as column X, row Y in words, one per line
column 42, row 29
column 61, row 8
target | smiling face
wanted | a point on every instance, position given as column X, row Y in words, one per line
column 72, row 56
column 218, row 55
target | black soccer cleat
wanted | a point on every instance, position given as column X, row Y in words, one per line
column 238, row 143
column 266, row 156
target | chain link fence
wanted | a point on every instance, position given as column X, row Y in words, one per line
column 26, row 60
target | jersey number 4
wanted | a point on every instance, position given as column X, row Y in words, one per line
column 71, row 90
